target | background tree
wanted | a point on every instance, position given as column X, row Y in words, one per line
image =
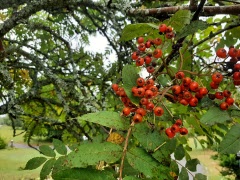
column 58, row 89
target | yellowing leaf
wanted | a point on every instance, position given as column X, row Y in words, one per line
column 115, row 138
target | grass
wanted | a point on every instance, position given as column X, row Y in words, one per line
column 13, row 160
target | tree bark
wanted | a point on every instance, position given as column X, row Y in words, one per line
column 207, row 10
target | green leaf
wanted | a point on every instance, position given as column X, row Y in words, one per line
column 60, row 164
column 47, row 168
column 192, row 28
column 192, row 164
column 132, row 31
column 84, row 174
column 148, row 139
column 196, row 124
column 47, row 151
column 35, row 163
column 200, row 176
column 141, row 161
column 179, row 20
column 129, row 78
column 215, row 115
column 91, row 153
column 60, row 147
column 231, row 141
column 106, row 118
column 130, row 178
column 179, row 152
column 183, row 175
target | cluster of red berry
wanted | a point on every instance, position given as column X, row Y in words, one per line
column 176, row 128
column 188, row 91
column 220, row 95
column 146, row 91
column 233, row 64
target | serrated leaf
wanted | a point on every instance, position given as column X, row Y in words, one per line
column 179, row 152
column 86, row 174
column 35, row 163
column 200, row 176
column 60, row 147
column 148, row 139
column 192, row 28
column 141, row 161
column 129, row 78
column 132, row 31
column 192, row 164
column 47, row 151
column 47, row 168
column 91, row 153
column 215, row 115
column 196, row 124
column 106, row 118
column 183, row 175
column 231, row 141
column 179, row 20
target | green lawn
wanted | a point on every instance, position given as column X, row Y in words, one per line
column 11, row 162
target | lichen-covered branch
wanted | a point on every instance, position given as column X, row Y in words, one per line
column 207, row 10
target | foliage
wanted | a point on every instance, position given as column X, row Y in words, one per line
column 59, row 89
column 3, row 143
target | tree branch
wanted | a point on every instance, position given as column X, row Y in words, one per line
column 207, row 10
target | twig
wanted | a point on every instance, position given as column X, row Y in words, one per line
column 125, row 150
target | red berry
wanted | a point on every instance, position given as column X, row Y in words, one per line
column 140, row 81
column 175, row 128
column 183, row 131
column 186, row 81
column 126, row 111
column 115, row 87
column 140, row 40
column 141, row 111
column 137, row 118
column 193, row 102
column 226, row 93
column 183, row 102
column 203, row 91
column 178, row 122
column 236, row 76
column 139, row 62
column 187, row 95
column 134, row 56
column 144, row 101
column 140, row 92
column 169, row 29
column 157, row 41
column 154, row 89
column 150, row 106
column 150, row 69
column 233, row 52
column 176, row 89
column 147, row 60
column 169, row 133
column 150, row 82
column 169, row 35
column 229, row 100
column 148, row 44
column 222, row 53
column 157, row 53
column 158, row 111
column 179, row 75
column 193, row 86
column 135, row 91
column 236, row 67
column 142, row 47
column 162, row 28
column 217, row 77
column 214, row 85
column 224, row 106
column 148, row 94
column 219, row 95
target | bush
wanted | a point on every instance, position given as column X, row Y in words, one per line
column 3, row 144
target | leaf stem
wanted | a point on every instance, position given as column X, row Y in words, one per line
column 125, row 150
